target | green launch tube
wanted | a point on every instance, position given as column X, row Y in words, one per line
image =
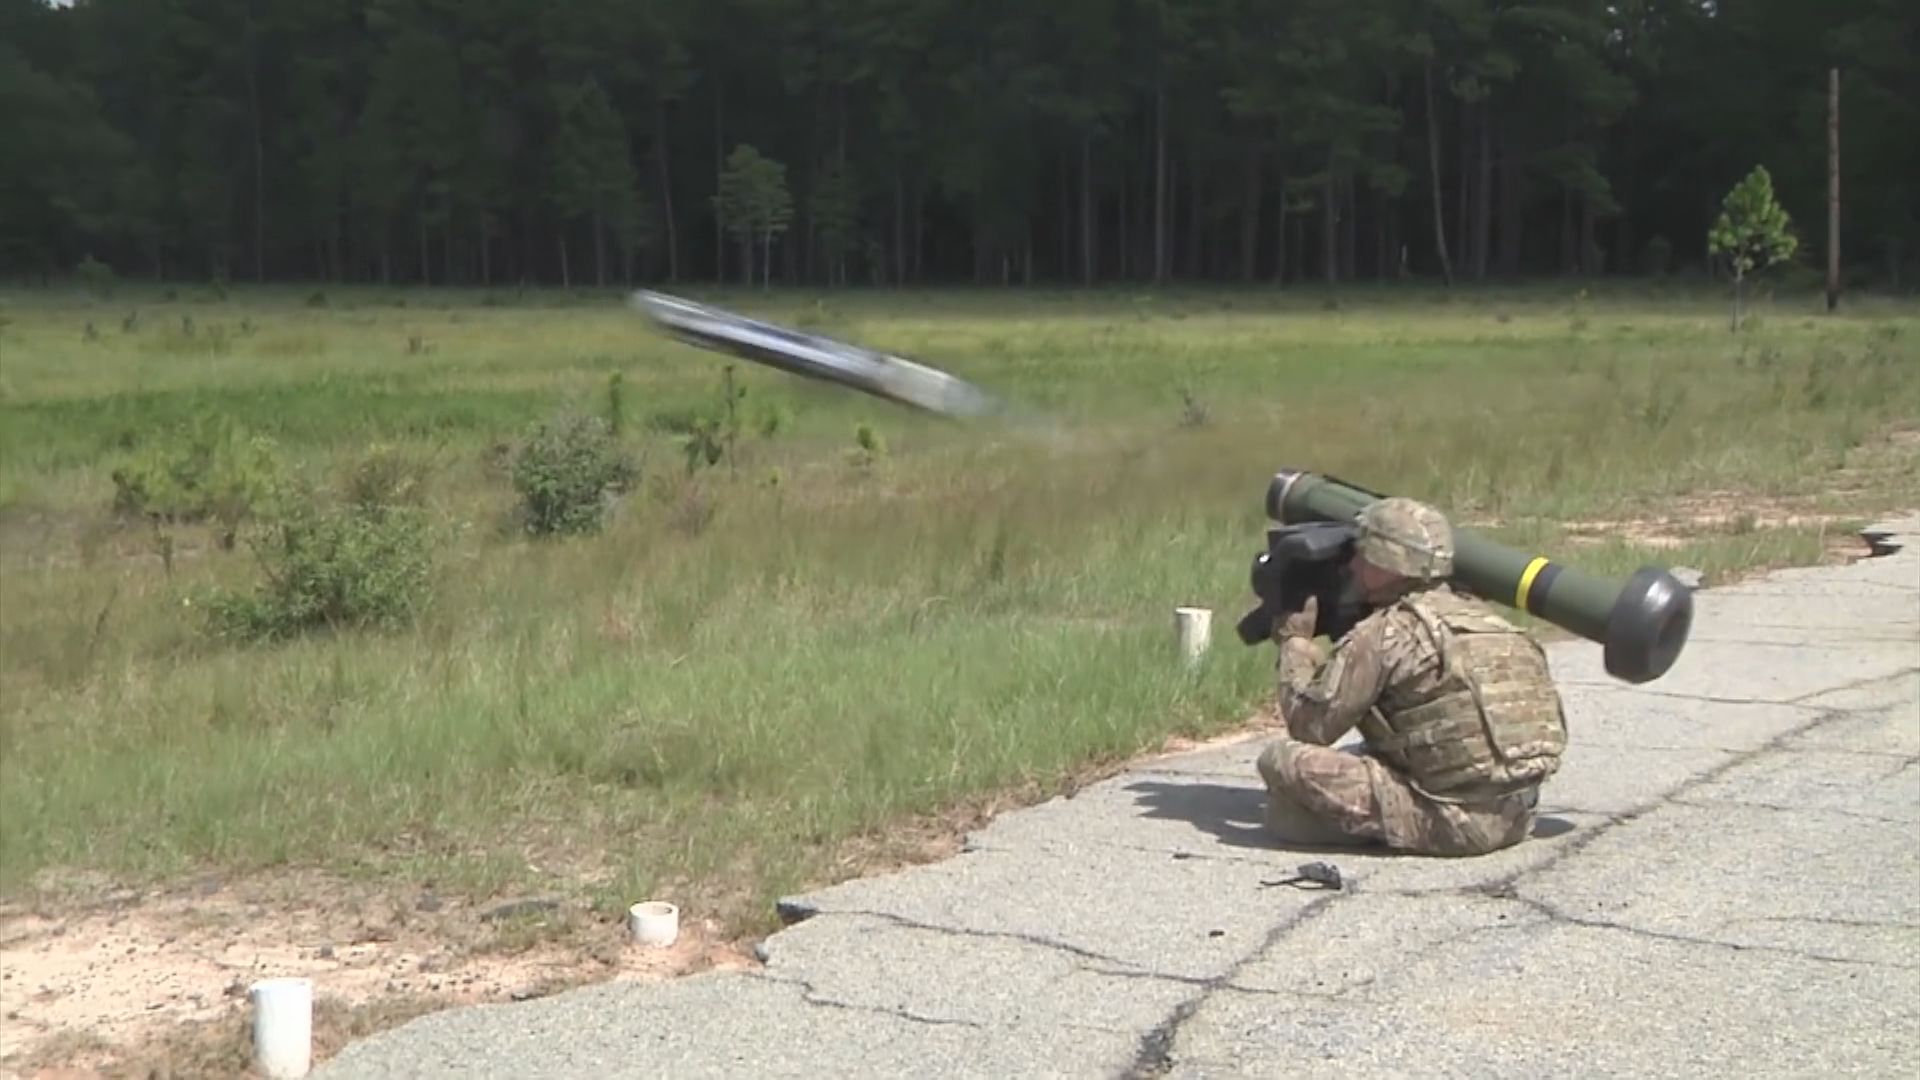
column 1642, row 622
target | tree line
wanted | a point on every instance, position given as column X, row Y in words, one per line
column 888, row 141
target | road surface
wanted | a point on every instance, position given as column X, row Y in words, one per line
column 1725, row 879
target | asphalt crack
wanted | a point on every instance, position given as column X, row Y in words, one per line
column 1111, row 967
column 1551, row 914
column 1172, row 854
column 1715, row 804
column 1910, row 761
column 1155, row 1054
column 1558, row 915
column 997, row 935
column 1711, row 699
column 1224, row 982
column 1842, row 751
column 1859, row 684
column 812, row 996
column 1822, row 920
column 1141, row 974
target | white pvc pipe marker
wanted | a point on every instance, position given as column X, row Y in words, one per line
column 283, row 1027
column 654, row 923
column 1195, row 628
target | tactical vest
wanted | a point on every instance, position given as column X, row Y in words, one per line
column 1486, row 723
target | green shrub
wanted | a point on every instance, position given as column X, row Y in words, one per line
column 385, row 477
column 210, row 469
column 335, row 566
column 567, row 472
column 868, row 449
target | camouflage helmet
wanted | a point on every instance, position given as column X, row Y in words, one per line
column 1407, row 537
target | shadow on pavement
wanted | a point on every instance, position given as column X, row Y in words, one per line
column 1236, row 815
column 1546, row 828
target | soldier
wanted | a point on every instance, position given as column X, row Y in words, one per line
column 1459, row 713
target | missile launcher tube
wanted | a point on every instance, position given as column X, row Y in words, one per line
column 1641, row 622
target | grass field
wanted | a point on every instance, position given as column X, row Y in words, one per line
column 760, row 666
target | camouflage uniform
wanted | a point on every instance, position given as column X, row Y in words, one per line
column 1459, row 714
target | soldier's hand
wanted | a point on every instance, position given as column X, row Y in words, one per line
column 1301, row 623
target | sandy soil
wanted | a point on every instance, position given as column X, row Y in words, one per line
column 110, row 988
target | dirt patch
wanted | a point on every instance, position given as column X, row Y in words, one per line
column 1903, row 438
column 1839, row 549
column 135, row 981
column 1724, row 513
column 1265, row 721
column 1842, row 549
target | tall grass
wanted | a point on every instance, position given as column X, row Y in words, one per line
column 749, row 665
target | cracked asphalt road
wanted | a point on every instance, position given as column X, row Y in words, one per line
column 1726, row 877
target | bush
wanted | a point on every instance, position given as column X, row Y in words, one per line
column 336, row 567
column 211, row 469
column 385, row 477
column 868, row 447
column 567, row 472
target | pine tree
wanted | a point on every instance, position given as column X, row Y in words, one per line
column 754, row 203
column 1752, row 231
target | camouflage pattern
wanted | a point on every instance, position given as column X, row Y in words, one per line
column 1481, row 717
column 1321, row 797
column 1407, row 537
column 1461, row 720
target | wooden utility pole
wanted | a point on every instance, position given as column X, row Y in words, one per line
column 1433, row 161
column 1160, row 181
column 1833, row 188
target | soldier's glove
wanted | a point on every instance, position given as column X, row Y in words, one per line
column 1300, row 624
